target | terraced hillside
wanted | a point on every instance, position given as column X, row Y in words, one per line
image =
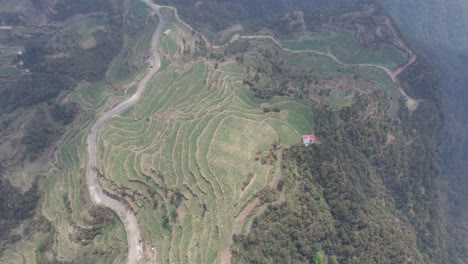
column 185, row 156
column 194, row 155
column 198, row 157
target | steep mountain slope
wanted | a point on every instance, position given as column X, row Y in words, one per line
column 439, row 30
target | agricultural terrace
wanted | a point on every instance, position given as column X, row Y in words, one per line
column 317, row 74
column 344, row 45
column 191, row 155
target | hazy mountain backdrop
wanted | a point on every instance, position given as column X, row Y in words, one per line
column 439, row 31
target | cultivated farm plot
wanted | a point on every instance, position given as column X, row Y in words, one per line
column 6, row 72
column 346, row 48
column 354, row 78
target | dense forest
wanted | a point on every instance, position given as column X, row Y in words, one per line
column 48, row 78
column 369, row 191
column 14, row 207
column 211, row 16
column 366, row 193
column 441, row 38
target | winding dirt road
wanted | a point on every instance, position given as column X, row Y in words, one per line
column 393, row 74
column 125, row 214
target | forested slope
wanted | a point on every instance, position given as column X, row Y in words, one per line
column 438, row 30
column 369, row 191
column 212, row 16
column 366, row 193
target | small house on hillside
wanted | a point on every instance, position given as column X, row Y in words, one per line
column 167, row 32
column 148, row 53
column 308, row 139
column 314, row 99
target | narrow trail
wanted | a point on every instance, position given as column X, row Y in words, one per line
column 393, row 74
column 411, row 103
column 125, row 214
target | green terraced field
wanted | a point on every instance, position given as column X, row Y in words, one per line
column 182, row 156
column 346, row 48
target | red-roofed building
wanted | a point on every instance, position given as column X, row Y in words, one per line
column 148, row 53
column 314, row 99
column 308, row 139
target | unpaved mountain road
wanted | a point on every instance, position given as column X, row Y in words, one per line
column 125, row 214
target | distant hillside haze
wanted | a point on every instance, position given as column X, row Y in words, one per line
column 438, row 30
column 432, row 22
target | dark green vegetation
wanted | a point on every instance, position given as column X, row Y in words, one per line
column 14, row 207
column 46, row 125
column 77, row 46
column 212, row 16
column 50, row 76
column 442, row 39
column 367, row 193
column 32, row 89
column 67, row 8
column 275, row 72
column 312, row 17
column 54, row 62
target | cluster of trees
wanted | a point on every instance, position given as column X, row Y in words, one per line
column 366, row 172
column 268, row 74
column 39, row 135
column 14, row 207
column 49, row 77
column 63, row 113
column 10, row 18
column 215, row 15
column 33, row 89
column 82, row 64
column 67, row 8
